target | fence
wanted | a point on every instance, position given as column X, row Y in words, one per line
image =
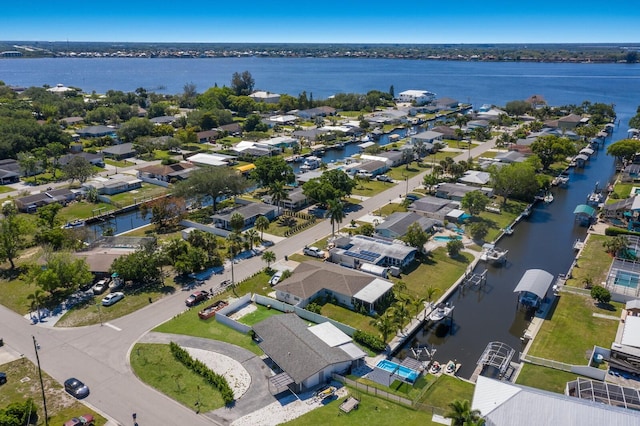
column 308, row 221
column 373, row 390
column 222, row 317
column 583, row 370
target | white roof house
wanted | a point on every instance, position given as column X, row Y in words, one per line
column 419, row 97
column 266, row 97
column 210, row 159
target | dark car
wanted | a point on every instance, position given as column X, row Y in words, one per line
column 3, row 378
column 197, row 297
column 84, row 420
column 76, row 388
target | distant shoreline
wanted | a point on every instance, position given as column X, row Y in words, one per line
column 553, row 53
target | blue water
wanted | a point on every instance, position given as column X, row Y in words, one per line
column 627, row 279
column 445, row 238
column 400, row 370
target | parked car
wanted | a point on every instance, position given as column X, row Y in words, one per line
column 76, row 388
column 413, row 197
column 197, row 297
column 84, row 420
column 112, row 298
column 115, row 284
column 384, row 178
column 313, row 251
column 3, row 378
column 100, row 287
column 275, row 279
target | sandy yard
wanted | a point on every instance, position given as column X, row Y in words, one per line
column 246, row 310
column 237, row 376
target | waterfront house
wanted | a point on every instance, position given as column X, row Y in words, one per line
column 434, row 207
column 417, row 97
column 119, row 152
column 510, row 157
column 504, row 403
column 395, row 226
column 265, row 97
column 96, row 132
column 213, row 160
column 428, row 136
column 30, row 203
column 447, row 132
column 394, row 157
column 571, row 121
column 305, row 356
column 630, row 173
column 349, row 287
column 114, row 184
column 447, row 103
column 474, row 124
column 475, row 178
column 165, row 172
column 250, row 212
column 323, row 111
column 457, row 191
column 355, row 250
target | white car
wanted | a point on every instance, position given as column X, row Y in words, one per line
column 112, row 298
column 100, row 287
column 275, row 279
column 313, row 251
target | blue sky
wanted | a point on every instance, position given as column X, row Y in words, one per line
column 346, row 21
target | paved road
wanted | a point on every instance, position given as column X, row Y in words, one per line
column 99, row 355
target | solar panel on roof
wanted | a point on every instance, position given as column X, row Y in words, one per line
column 370, row 253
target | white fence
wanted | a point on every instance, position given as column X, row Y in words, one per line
column 221, row 315
column 206, row 228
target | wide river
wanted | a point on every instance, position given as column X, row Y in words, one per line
column 544, row 241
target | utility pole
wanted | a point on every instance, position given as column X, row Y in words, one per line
column 44, row 398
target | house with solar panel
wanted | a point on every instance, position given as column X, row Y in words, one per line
column 354, row 251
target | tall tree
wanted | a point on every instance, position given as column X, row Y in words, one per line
column 272, row 169
column 336, row 213
column 237, row 222
column 55, row 151
column 415, row 237
column 552, row 148
column 252, row 237
column 517, row 180
column 212, row 183
column 461, row 414
column 13, row 234
column 268, row 257
column 278, row 194
column 78, row 169
column 242, row 84
column 165, row 211
column 475, row 202
column 262, row 224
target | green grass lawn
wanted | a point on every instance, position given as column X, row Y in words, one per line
column 402, row 172
column 348, row 317
column 572, row 330
column 83, row 210
column 5, row 189
column 548, row 379
column 593, row 264
column 438, row 270
column 188, row 323
column 146, row 192
column 261, row 313
column 13, row 294
column 620, row 192
column 155, row 365
column 60, row 406
column 391, row 208
column 370, row 188
column 120, row 163
column 372, row 411
column 445, row 390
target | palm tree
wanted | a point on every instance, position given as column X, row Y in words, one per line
column 418, row 304
column 461, row 414
column 336, row 214
column 35, row 298
column 400, row 314
column 269, row 257
column 252, row 237
column 278, row 193
column 234, row 245
column 262, row 224
column 385, row 325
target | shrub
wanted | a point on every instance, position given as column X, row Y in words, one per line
column 369, row 340
column 600, row 294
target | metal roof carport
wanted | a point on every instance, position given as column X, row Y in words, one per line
column 536, row 281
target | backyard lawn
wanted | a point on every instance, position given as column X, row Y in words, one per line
column 348, row 317
column 548, row 379
column 369, row 188
column 146, row 192
column 261, row 313
column 593, row 264
column 445, row 390
column 572, row 330
column 83, row 210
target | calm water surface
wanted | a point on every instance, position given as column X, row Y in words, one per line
column 544, row 241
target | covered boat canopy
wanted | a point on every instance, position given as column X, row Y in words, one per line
column 536, row 281
column 584, row 209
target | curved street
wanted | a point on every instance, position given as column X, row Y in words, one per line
column 99, row 355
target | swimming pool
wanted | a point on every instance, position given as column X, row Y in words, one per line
column 446, row 238
column 627, row 279
column 399, row 370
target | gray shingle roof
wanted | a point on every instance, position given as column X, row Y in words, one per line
column 399, row 222
column 289, row 343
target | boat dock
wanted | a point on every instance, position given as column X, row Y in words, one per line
column 474, row 279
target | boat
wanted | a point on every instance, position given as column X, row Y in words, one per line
column 508, row 230
column 596, row 197
column 441, row 311
column 311, row 163
column 492, row 254
column 74, row 224
column 452, row 368
column 435, row 368
column 548, row 198
column 560, row 180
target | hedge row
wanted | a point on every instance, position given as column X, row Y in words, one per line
column 369, row 340
column 612, row 231
column 216, row 380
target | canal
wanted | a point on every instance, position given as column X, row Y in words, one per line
column 545, row 241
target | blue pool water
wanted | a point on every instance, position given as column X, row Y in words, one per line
column 627, row 279
column 399, row 370
column 445, row 238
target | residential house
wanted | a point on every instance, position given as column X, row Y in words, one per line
column 571, row 121
column 208, row 136
column 475, row 178
column 295, row 199
column 433, row 207
column 358, row 249
column 323, row 111
column 280, row 120
column 114, row 184
column 309, row 135
column 30, row 203
column 254, row 149
column 279, row 142
column 395, row 226
column 367, row 168
column 447, row 132
column 349, row 287
column 70, row 121
column 394, row 157
column 60, row 89
column 428, row 136
column 233, row 129
column 510, row 157
column 418, row 97
column 474, row 124
column 456, row 191
column 250, row 212
column 265, row 97
column 166, row 173
column 501, row 403
column 9, row 171
column 120, row 152
column 306, row 356
column 164, row 119
column 95, row 159
column 214, row 160
column 97, row 132
column 447, row 103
